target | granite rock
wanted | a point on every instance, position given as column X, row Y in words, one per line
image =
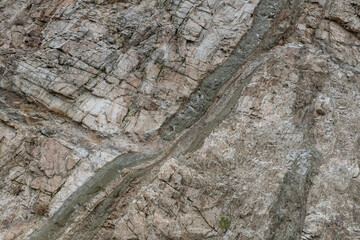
column 179, row 119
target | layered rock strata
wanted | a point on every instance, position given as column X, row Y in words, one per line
column 173, row 119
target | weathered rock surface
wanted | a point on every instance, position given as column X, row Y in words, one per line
column 172, row 119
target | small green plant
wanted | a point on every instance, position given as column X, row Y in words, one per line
column 224, row 222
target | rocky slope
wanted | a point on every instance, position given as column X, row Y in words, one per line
column 179, row 119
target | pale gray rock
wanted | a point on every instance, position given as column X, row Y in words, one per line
column 179, row 119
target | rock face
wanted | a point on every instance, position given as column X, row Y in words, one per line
column 179, row 119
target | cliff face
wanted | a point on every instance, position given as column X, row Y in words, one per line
column 171, row 119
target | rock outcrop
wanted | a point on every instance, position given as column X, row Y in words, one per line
column 179, row 119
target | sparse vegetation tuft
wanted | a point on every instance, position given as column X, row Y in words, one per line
column 224, row 222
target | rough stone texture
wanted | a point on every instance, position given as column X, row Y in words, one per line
column 161, row 119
